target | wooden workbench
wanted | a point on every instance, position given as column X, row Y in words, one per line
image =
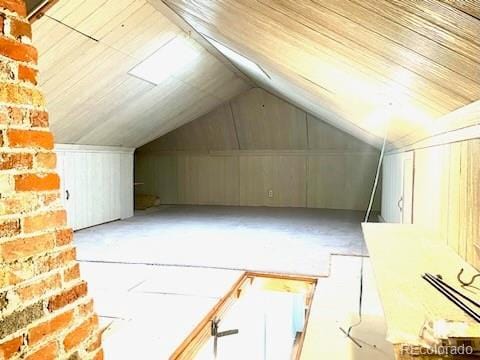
column 416, row 313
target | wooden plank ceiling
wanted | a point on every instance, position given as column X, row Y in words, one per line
column 86, row 49
column 353, row 63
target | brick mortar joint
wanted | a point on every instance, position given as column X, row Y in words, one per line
column 40, row 277
column 29, row 236
column 34, row 213
column 7, row 30
column 10, row 13
column 36, row 234
column 18, row 63
column 17, row 150
column 43, row 298
column 14, row 297
column 27, row 107
column 77, row 320
column 19, row 172
column 20, row 83
column 25, row 126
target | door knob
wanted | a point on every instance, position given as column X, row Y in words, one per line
column 400, row 203
column 67, row 193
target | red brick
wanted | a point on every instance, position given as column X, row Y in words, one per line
column 80, row 334
column 9, row 228
column 46, row 160
column 19, row 29
column 10, row 348
column 17, row 161
column 18, row 51
column 39, row 118
column 19, row 94
column 72, row 273
column 48, row 199
column 86, row 309
column 64, row 237
column 48, row 352
column 99, row 355
column 34, row 182
column 67, row 297
column 39, row 288
column 30, row 138
column 26, row 73
column 56, row 260
column 20, row 203
column 15, row 273
column 16, row 6
column 49, row 327
column 16, row 115
column 96, row 343
column 25, row 247
column 47, row 221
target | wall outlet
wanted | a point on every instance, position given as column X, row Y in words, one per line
column 270, row 193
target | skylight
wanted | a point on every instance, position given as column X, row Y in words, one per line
column 172, row 59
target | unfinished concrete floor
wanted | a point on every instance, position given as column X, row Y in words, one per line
column 150, row 310
column 155, row 276
column 285, row 240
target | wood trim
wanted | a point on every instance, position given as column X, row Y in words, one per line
column 464, row 134
column 191, row 345
column 464, row 117
column 200, row 335
column 38, row 13
column 93, row 148
column 257, row 152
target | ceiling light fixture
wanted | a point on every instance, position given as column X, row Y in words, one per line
column 237, row 59
column 171, row 59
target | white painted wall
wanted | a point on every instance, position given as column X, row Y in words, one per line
column 96, row 183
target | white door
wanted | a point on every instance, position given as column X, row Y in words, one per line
column 407, row 188
column 96, row 186
column 397, row 188
column 69, row 188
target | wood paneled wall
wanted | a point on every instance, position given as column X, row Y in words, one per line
column 446, row 190
column 330, row 180
column 447, row 195
column 254, row 145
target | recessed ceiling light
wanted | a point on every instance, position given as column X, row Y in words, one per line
column 172, row 59
column 241, row 61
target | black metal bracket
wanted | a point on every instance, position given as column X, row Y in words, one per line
column 218, row 334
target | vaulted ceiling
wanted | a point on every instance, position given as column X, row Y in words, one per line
column 86, row 50
column 353, row 63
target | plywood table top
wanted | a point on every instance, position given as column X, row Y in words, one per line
column 415, row 312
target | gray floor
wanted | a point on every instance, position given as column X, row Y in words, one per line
column 155, row 276
column 284, row 240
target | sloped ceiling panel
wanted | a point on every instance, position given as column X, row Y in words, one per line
column 256, row 120
column 359, row 65
column 86, row 50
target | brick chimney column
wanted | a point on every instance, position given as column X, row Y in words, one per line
column 45, row 312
